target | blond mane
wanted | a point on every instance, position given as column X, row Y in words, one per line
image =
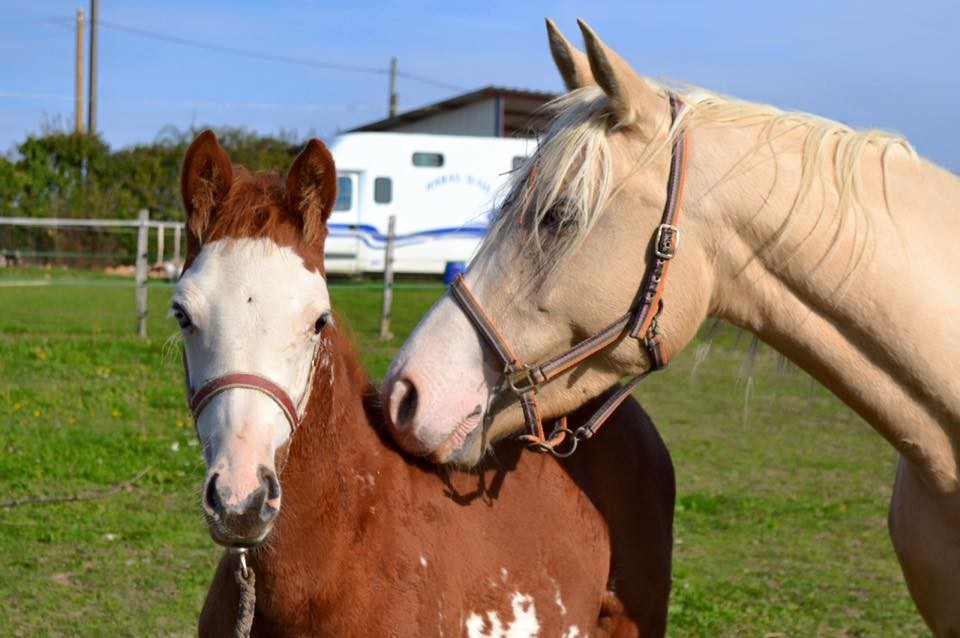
column 561, row 192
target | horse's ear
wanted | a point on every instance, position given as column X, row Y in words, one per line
column 573, row 64
column 204, row 181
column 633, row 101
column 312, row 188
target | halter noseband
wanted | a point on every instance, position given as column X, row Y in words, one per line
column 640, row 323
column 293, row 412
column 203, row 396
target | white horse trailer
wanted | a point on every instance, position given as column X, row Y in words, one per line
column 440, row 187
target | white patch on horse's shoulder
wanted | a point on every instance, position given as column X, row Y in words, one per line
column 423, row 560
column 440, row 614
column 523, row 625
column 475, row 624
column 572, row 632
column 525, row 621
column 503, row 574
column 366, row 480
column 557, row 599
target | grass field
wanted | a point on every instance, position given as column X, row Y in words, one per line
column 780, row 527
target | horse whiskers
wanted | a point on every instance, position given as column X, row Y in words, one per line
column 170, row 348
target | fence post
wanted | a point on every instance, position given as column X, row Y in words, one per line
column 143, row 238
column 161, row 230
column 176, row 245
column 387, row 307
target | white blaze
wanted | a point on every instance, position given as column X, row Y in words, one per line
column 253, row 306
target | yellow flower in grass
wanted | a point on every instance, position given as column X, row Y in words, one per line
column 181, row 424
column 71, row 420
column 36, row 413
column 115, row 413
column 17, row 406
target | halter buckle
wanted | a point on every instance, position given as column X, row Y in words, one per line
column 523, row 380
column 666, row 250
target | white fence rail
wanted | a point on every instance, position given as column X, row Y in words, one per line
column 83, row 223
column 143, row 224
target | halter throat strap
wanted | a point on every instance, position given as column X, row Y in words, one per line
column 640, row 323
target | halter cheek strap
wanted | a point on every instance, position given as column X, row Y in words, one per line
column 640, row 323
column 666, row 241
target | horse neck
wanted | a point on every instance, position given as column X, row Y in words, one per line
column 856, row 297
column 336, row 454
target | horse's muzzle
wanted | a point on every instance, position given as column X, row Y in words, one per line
column 245, row 523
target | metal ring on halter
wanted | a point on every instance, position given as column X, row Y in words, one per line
column 544, row 446
column 241, row 552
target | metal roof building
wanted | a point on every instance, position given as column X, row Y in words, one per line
column 492, row 111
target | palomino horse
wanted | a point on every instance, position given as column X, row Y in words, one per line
column 367, row 541
column 838, row 248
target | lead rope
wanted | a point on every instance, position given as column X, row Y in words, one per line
column 247, row 582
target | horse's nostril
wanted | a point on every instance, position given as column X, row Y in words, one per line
column 211, row 499
column 268, row 479
column 403, row 403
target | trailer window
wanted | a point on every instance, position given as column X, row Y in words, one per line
column 428, row 159
column 344, row 194
column 519, row 161
column 382, row 190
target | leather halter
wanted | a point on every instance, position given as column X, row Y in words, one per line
column 640, row 323
column 203, row 396
column 199, row 398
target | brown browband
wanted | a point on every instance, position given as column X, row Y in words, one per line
column 640, row 322
column 200, row 398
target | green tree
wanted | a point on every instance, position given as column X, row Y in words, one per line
column 54, row 171
column 64, row 174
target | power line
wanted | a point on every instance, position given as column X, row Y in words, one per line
column 226, row 104
column 273, row 57
column 238, row 51
column 424, row 80
column 6, row 23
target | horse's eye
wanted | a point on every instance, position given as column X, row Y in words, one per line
column 322, row 321
column 181, row 316
column 556, row 218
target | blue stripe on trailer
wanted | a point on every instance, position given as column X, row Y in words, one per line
column 373, row 238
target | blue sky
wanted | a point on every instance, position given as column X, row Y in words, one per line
column 886, row 64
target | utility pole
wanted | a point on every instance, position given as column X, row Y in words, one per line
column 393, row 86
column 92, row 88
column 78, row 93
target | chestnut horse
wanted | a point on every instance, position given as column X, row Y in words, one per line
column 836, row 247
column 369, row 542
